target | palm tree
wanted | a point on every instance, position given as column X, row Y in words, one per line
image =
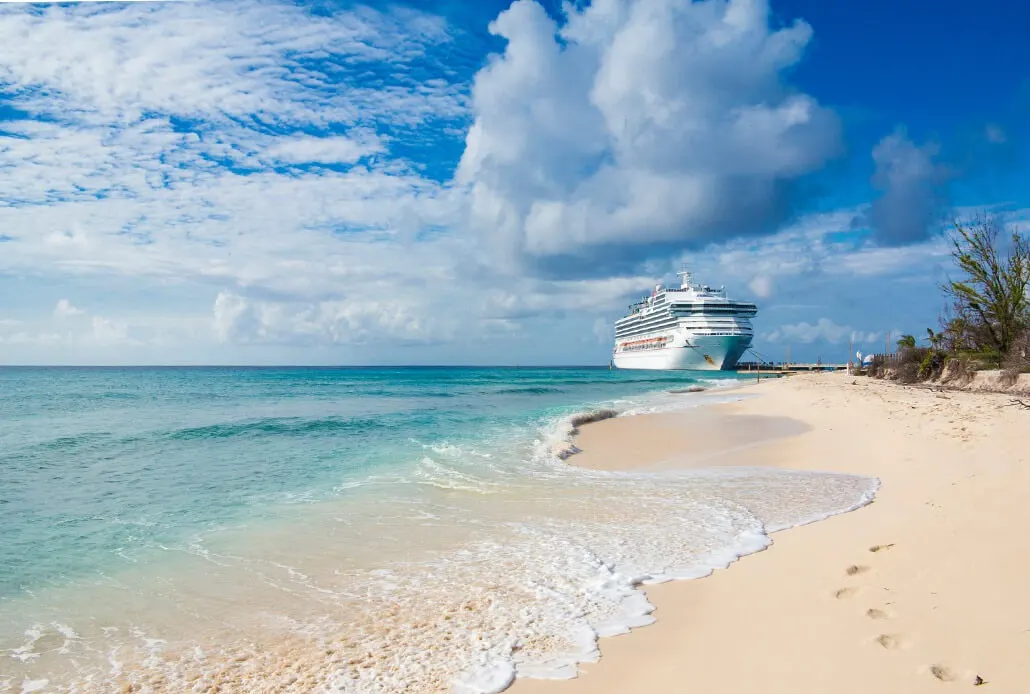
column 907, row 342
column 935, row 339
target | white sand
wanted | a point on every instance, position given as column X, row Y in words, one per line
column 945, row 600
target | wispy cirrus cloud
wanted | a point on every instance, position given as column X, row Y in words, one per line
column 267, row 62
column 117, row 101
column 243, row 146
column 152, row 140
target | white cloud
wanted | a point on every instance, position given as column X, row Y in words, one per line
column 232, row 317
column 244, row 59
column 824, row 330
column 858, row 337
column 406, row 309
column 817, row 247
column 112, row 181
column 164, row 152
column 651, row 122
column 107, row 331
column 278, row 232
column 335, row 322
column 761, row 285
column 64, row 309
column 869, row 261
column 325, row 150
column 128, row 101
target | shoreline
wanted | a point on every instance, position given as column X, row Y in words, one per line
column 707, row 434
column 922, row 587
column 466, row 539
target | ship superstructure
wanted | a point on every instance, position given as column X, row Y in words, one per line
column 692, row 327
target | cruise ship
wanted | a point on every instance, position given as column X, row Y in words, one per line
column 694, row 327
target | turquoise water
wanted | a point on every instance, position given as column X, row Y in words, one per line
column 280, row 518
column 100, row 464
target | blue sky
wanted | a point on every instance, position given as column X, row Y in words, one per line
column 453, row 182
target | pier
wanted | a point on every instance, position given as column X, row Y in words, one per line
column 783, row 368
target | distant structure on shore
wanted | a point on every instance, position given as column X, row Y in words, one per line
column 781, row 368
column 693, row 327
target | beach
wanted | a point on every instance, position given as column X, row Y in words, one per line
column 197, row 530
column 922, row 590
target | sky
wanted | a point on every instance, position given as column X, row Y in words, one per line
column 446, row 182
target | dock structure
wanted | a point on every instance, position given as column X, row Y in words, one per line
column 781, row 368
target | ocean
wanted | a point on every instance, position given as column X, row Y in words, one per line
column 346, row 529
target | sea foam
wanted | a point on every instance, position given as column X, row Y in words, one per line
column 528, row 596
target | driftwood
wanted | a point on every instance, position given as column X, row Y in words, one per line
column 591, row 417
column 1016, row 402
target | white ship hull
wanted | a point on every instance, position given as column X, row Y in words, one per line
column 694, row 327
column 705, row 353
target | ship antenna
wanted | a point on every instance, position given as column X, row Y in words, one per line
column 684, row 273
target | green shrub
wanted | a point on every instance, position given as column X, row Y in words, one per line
column 932, row 364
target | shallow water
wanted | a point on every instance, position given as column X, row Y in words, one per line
column 353, row 530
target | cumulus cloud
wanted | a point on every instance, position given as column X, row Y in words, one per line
column 638, row 124
column 913, row 194
column 89, row 331
column 233, row 318
column 64, row 309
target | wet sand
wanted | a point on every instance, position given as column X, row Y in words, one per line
column 922, row 591
column 704, row 437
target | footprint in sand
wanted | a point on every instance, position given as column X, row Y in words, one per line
column 855, row 569
column 942, row 672
column 888, row 641
column 873, row 613
column 845, row 593
column 880, row 548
